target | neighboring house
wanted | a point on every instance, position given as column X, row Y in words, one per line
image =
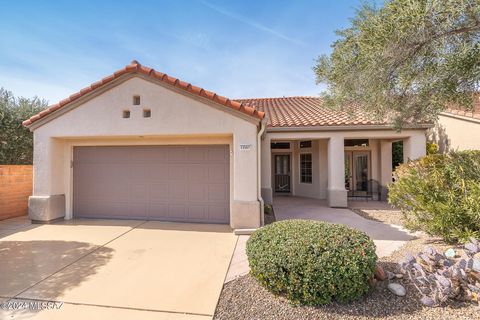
column 457, row 129
column 140, row 144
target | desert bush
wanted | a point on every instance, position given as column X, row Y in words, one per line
column 432, row 148
column 439, row 278
column 440, row 194
column 312, row 262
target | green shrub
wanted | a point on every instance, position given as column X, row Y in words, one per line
column 440, row 194
column 268, row 209
column 312, row 262
column 432, row 148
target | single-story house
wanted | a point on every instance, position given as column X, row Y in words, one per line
column 140, row 144
column 458, row 129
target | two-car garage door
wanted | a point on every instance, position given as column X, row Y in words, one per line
column 172, row 183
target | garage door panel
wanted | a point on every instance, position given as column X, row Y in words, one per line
column 177, row 212
column 115, row 172
column 197, row 173
column 197, row 154
column 176, row 183
column 137, row 172
column 157, row 173
column 197, row 213
column 146, row 155
column 216, row 173
column 177, row 191
column 196, row 192
column 112, row 192
column 158, row 192
column 177, row 154
column 218, row 155
column 140, row 193
column 158, row 210
column 177, row 172
column 217, row 192
column 217, row 213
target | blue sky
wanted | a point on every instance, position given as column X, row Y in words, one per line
column 238, row 49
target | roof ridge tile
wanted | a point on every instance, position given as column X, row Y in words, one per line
column 136, row 67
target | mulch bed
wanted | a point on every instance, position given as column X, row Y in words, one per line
column 244, row 298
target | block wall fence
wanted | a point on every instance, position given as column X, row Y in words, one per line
column 15, row 188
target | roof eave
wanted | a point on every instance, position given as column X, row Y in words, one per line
column 345, row 128
column 136, row 69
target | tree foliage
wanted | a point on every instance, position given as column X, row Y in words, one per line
column 397, row 154
column 16, row 141
column 407, row 60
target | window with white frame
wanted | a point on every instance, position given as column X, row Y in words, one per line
column 306, row 168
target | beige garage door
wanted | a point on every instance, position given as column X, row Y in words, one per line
column 172, row 183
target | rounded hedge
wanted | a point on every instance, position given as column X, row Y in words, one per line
column 312, row 262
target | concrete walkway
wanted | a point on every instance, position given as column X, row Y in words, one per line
column 387, row 238
column 113, row 269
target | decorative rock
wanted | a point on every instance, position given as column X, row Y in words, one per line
column 476, row 255
column 472, row 247
column 428, row 301
column 390, row 275
column 476, row 265
column 399, row 276
column 397, row 289
column 450, row 253
column 379, row 273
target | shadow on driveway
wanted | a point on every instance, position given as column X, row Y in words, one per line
column 25, row 263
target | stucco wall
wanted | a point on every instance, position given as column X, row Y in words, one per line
column 456, row 133
column 175, row 119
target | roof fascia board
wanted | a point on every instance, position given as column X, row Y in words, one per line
column 460, row 117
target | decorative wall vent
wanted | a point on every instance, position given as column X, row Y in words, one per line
column 136, row 100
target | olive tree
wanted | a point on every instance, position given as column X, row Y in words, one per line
column 16, row 141
column 407, row 60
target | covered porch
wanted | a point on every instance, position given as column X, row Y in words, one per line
column 338, row 166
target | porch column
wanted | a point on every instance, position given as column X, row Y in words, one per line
column 385, row 167
column 266, row 163
column 337, row 194
column 414, row 147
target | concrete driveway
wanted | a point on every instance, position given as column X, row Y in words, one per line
column 387, row 238
column 113, row 269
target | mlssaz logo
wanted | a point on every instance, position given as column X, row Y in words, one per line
column 30, row 305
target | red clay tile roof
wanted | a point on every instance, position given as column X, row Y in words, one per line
column 306, row 112
column 135, row 67
column 474, row 113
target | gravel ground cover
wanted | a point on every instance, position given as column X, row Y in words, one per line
column 243, row 298
column 387, row 216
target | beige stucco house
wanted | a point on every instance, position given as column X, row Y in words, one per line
column 141, row 144
column 457, row 129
